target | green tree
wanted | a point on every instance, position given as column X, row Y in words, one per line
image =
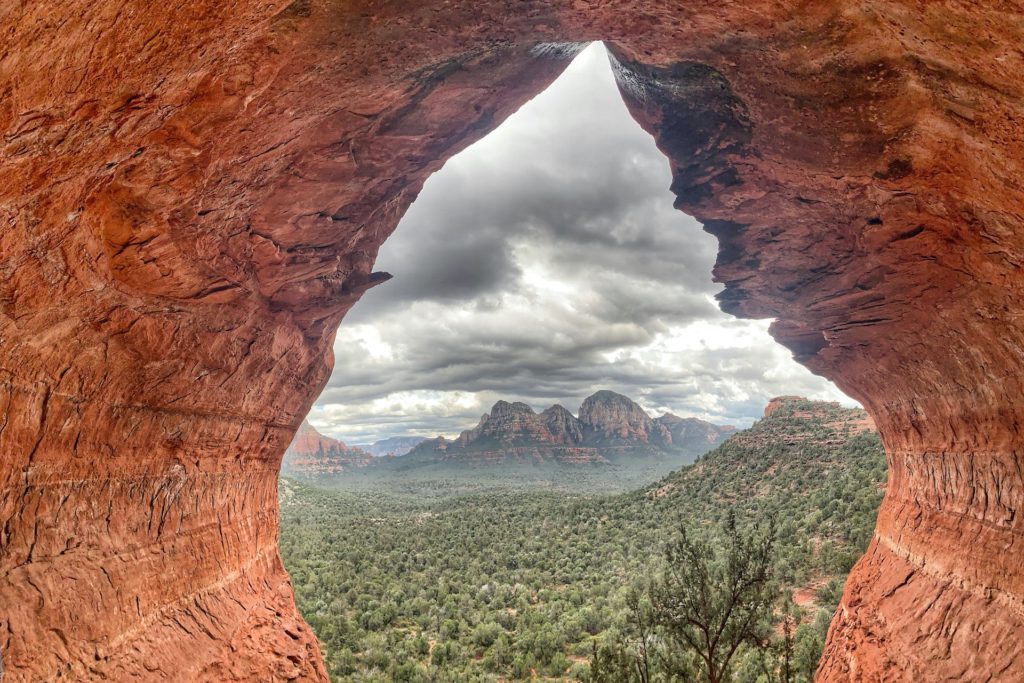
column 777, row 659
column 611, row 664
column 712, row 602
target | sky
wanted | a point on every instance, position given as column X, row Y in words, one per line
column 541, row 264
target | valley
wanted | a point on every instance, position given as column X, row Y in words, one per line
column 489, row 580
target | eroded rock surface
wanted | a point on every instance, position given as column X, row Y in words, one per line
column 193, row 195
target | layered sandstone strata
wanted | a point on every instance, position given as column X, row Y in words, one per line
column 193, row 195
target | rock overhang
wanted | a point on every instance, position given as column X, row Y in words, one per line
column 194, row 197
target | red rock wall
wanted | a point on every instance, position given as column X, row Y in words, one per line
column 193, row 195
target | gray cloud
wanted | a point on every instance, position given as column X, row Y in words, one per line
column 541, row 264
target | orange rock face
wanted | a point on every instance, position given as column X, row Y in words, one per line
column 193, row 195
column 313, row 454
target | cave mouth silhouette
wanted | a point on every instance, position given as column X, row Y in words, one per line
column 481, row 189
column 579, row 276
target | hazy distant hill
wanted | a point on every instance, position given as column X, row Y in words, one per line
column 311, row 454
column 393, row 446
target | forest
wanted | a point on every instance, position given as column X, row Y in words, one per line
column 507, row 582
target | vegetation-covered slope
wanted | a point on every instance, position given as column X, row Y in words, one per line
column 511, row 585
column 817, row 467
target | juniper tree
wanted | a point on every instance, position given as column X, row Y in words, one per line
column 710, row 602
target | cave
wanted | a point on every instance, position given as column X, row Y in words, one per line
column 194, row 196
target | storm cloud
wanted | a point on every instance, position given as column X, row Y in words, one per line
column 541, row 264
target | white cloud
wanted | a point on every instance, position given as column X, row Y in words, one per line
column 541, row 264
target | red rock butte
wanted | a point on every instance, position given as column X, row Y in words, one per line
column 193, row 195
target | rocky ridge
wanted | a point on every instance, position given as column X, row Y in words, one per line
column 817, row 465
column 610, row 427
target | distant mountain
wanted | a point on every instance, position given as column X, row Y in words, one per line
column 311, row 454
column 611, row 428
column 393, row 446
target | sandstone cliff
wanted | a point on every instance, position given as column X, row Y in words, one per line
column 613, row 419
column 610, row 428
column 193, row 194
column 312, row 454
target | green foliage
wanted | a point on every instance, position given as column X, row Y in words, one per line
column 486, row 583
column 613, row 664
column 715, row 594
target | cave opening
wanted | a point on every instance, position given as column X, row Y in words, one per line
column 543, row 266
column 540, row 264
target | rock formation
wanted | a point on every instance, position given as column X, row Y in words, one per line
column 193, row 195
column 510, row 424
column 611, row 418
column 780, row 402
column 610, row 427
column 689, row 433
column 791, row 415
column 312, row 454
column 562, row 425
